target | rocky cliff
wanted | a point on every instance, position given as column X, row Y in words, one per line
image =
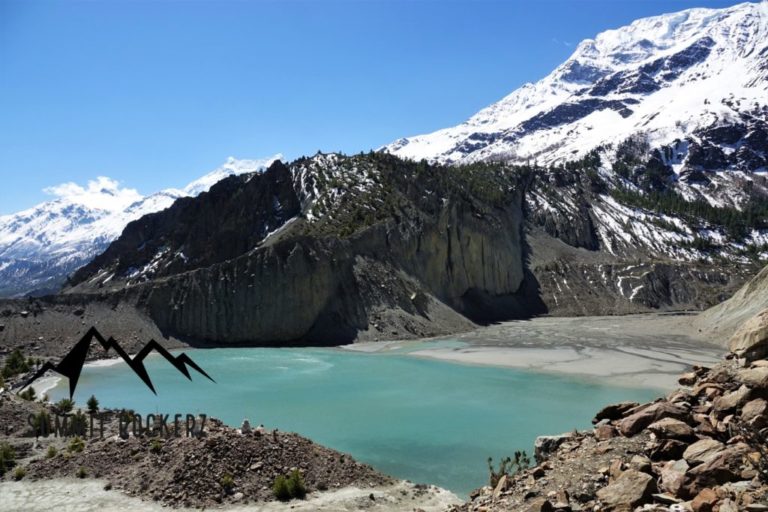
column 328, row 249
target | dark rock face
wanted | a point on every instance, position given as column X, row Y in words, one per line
column 431, row 258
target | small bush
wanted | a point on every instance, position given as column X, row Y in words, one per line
column 76, row 445
column 51, row 453
column 65, row 405
column 81, row 472
column 227, row 482
column 15, row 364
column 78, row 424
column 156, row 446
column 507, row 466
column 280, row 488
column 28, row 394
column 7, row 457
column 296, row 487
column 19, row 473
column 93, row 405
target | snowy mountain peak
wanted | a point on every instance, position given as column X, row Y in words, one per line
column 40, row 246
column 691, row 66
column 232, row 166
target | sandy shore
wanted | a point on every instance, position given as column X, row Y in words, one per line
column 635, row 350
column 72, row 495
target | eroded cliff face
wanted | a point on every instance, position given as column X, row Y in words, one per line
column 408, row 250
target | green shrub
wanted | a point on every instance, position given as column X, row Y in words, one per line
column 507, row 466
column 296, row 487
column 280, row 489
column 19, row 473
column 227, row 482
column 15, row 364
column 7, row 457
column 78, row 424
column 28, row 394
column 65, row 405
column 76, row 445
column 156, row 446
column 51, row 453
column 93, row 405
column 81, row 472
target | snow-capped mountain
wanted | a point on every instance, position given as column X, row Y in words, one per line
column 40, row 246
column 666, row 77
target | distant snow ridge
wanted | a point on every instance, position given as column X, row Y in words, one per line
column 665, row 76
column 40, row 246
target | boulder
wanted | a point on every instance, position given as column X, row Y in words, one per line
column 673, row 476
column 731, row 400
column 637, row 421
column 755, row 378
column 539, row 505
column 614, row 411
column 705, row 501
column 630, row 489
column 544, row 446
column 755, row 412
column 751, row 340
column 703, row 451
column 670, row 428
column 687, row 379
column 603, row 432
column 668, row 449
column 725, row 467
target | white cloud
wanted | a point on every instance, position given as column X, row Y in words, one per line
column 103, row 192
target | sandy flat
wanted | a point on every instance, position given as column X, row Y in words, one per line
column 72, row 495
column 634, row 350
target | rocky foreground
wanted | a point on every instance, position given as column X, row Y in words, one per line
column 702, row 448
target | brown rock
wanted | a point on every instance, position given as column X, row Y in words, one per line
column 755, row 378
column 760, row 363
column 603, row 432
column 668, row 449
column 630, row 489
column 615, row 470
column 725, row 467
column 539, row 505
column 673, row 476
column 705, row 501
column 637, row 421
column 501, row 486
column 687, row 379
column 670, row 428
column 614, row 411
column 703, row 451
column 755, row 412
column 640, row 463
column 732, row 400
column 751, row 340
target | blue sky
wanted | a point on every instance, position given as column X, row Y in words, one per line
column 157, row 93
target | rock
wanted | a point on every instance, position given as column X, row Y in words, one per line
column 703, row 451
column 544, row 446
column 78, row 312
column 501, row 486
column 751, row 340
column 637, row 421
column 732, row 400
column 755, row 378
column 755, row 412
column 671, row 428
column 640, row 463
column 539, row 505
column 725, row 467
column 666, row 499
column 673, row 476
column 603, row 432
column 614, row 411
column 687, row 379
column 727, row 505
column 630, row 489
column 704, row 501
column 668, row 449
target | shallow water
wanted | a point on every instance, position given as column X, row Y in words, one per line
column 418, row 419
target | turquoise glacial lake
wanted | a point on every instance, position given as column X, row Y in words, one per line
column 423, row 420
